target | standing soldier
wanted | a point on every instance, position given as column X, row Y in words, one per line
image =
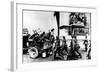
column 64, row 45
column 57, row 47
column 71, row 54
column 64, row 49
column 89, row 51
column 86, row 44
column 52, row 38
column 76, row 48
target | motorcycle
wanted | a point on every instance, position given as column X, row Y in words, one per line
column 40, row 46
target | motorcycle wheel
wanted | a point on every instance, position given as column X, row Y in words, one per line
column 33, row 52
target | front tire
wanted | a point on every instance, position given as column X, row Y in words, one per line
column 33, row 52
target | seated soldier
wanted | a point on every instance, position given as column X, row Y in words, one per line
column 74, row 51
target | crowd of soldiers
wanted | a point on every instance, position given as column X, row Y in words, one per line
column 59, row 48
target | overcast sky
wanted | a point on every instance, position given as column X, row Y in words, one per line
column 39, row 19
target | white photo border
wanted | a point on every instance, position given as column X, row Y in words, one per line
column 17, row 38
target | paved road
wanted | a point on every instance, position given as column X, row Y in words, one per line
column 27, row 59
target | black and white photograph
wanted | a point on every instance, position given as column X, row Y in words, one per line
column 55, row 36
column 52, row 36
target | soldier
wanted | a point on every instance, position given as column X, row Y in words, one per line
column 71, row 52
column 89, row 51
column 64, row 49
column 64, row 45
column 57, row 47
column 52, row 39
column 86, row 43
column 76, row 48
column 74, row 51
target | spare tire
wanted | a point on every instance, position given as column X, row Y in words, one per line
column 33, row 52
